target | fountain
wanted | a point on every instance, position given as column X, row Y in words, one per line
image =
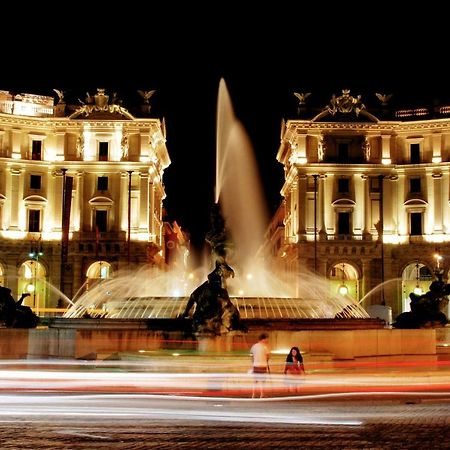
column 256, row 290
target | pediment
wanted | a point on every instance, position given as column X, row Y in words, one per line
column 415, row 202
column 343, row 202
column 100, row 201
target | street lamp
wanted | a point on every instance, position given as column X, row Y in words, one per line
column 417, row 290
column 343, row 289
column 381, row 178
column 35, row 253
column 315, row 176
column 130, row 172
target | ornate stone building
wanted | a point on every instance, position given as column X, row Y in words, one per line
column 80, row 193
column 366, row 197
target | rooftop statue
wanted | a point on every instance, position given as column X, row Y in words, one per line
column 146, row 95
column 426, row 309
column 99, row 104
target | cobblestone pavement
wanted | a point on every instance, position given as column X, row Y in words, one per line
column 384, row 425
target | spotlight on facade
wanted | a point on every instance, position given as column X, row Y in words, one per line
column 30, row 288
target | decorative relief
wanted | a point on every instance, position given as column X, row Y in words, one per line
column 321, row 148
column 99, row 103
column 124, row 145
column 80, row 146
column 366, row 148
column 345, row 104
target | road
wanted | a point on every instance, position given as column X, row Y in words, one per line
column 142, row 421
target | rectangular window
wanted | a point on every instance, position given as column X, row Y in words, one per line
column 375, row 184
column 415, row 153
column 103, row 148
column 101, row 220
column 343, row 185
column 344, row 223
column 416, row 224
column 34, row 220
column 414, row 186
column 36, row 150
column 343, row 151
column 102, row 183
column 35, row 181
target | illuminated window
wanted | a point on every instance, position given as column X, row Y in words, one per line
column 34, row 220
column 344, row 223
column 35, row 181
column 343, row 185
column 102, row 183
column 343, row 151
column 374, row 184
column 416, row 224
column 103, row 149
column 414, row 186
column 36, row 150
column 414, row 153
column 101, row 220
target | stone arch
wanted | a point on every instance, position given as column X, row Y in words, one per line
column 32, row 278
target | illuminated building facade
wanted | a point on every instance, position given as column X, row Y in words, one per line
column 367, row 198
column 93, row 172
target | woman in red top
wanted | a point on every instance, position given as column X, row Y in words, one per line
column 294, row 367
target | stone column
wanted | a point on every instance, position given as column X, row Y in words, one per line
column 436, row 195
column 437, row 147
column 60, row 145
column 321, row 206
column 143, row 202
column 15, row 198
column 366, row 206
column 301, row 209
column 386, row 149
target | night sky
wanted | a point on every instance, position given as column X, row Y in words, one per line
column 264, row 57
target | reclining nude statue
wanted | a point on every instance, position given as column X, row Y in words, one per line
column 214, row 312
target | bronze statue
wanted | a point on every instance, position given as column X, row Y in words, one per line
column 13, row 314
column 214, row 312
column 426, row 309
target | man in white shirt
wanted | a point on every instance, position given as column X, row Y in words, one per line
column 260, row 362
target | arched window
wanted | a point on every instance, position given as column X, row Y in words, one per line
column 344, row 280
column 416, row 277
column 100, row 270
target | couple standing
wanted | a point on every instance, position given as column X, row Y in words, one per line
column 260, row 358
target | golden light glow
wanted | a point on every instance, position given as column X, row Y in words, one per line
column 438, row 259
column 418, row 290
column 343, row 290
column 386, row 161
column 436, row 159
column 30, row 288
